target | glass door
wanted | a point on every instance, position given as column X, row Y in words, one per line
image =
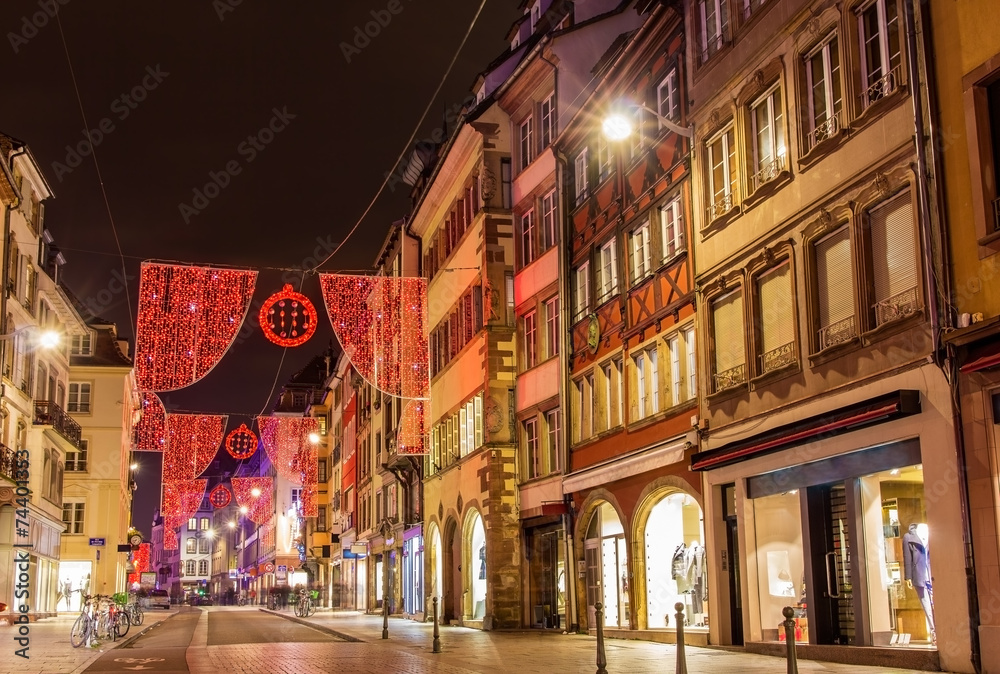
column 831, row 531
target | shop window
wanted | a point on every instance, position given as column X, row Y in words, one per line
column 729, row 351
column 676, row 569
column 881, row 60
column 606, row 564
column 775, row 318
column 476, row 573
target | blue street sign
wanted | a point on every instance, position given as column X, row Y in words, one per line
column 97, row 541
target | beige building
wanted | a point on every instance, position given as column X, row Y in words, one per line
column 817, row 252
column 97, row 492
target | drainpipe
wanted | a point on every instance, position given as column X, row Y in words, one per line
column 923, row 202
column 7, row 344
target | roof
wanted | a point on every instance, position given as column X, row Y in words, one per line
column 105, row 349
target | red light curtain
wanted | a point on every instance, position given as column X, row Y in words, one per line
column 192, row 442
column 181, row 500
column 188, row 318
column 150, row 432
column 411, row 438
column 286, row 441
column 381, row 323
column 260, row 508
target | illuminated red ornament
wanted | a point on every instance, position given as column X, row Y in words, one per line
column 288, row 318
column 254, row 494
column 381, row 323
column 150, row 433
column 219, row 497
column 241, row 443
column 188, row 318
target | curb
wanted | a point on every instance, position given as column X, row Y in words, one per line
column 320, row 628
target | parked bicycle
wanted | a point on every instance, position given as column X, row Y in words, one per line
column 99, row 619
column 305, row 607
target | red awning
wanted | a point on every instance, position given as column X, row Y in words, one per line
column 544, row 510
column 982, row 358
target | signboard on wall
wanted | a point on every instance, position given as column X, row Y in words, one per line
column 281, row 575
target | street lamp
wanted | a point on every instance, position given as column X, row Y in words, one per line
column 618, row 126
column 386, row 532
column 47, row 339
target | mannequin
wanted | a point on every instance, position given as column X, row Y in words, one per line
column 917, row 568
column 695, row 562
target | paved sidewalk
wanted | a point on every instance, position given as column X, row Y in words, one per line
column 49, row 651
column 535, row 651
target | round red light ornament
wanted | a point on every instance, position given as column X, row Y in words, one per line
column 241, row 443
column 219, row 497
column 288, row 318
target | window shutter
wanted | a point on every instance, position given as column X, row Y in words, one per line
column 835, row 278
column 894, row 248
column 727, row 318
column 776, row 325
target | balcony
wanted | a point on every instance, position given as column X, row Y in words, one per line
column 824, row 131
column 775, row 359
column 837, row 333
column 730, row 378
column 47, row 413
column 719, row 208
column 898, row 306
column 7, row 462
column 769, row 170
column 883, row 86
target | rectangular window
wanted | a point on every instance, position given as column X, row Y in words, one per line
column 714, row 24
column 189, row 567
column 80, row 345
column 776, row 324
column 321, row 470
column 204, row 523
column 73, row 517
column 470, row 425
column 77, row 461
column 193, row 524
column 529, row 331
column 478, row 412
column 553, row 429
column 647, row 383
column 668, row 97
column 612, row 394
column 321, row 518
column 527, row 237
column 463, row 439
column 672, row 229
column 604, row 158
column 191, row 545
column 721, row 161
column 640, row 385
column 894, row 259
column 639, row 245
column 730, row 355
column 508, row 282
column 823, row 92
column 202, row 567
column 526, row 141
column 767, row 126
column 550, row 227
column 547, row 119
column 878, row 29
column 580, row 168
column 692, row 367
column 607, row 279
column 676, row 376
column 589, row 407
column 79, row 398
column 638, row 134
column 835, row 288
column 506, row 200
column 531, row 448
column 751, row 6
column 204, row 546
column 581, row 288
column 552, row 336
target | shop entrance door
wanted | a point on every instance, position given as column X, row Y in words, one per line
column 831, row 537
column 735, row 591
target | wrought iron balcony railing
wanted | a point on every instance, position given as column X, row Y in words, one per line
column 836, row 333
column 778, row 358
column 7, row 462
column 47, row 413
column 719, row 208
column 734, row 376
column 823, row 131
column 769, row 170
column 898, row 306
column 883, row 86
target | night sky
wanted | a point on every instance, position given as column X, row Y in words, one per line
column 177, row 91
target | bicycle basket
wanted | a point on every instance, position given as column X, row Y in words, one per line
column 120, row 598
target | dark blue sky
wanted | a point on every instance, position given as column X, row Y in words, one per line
column 262, row 99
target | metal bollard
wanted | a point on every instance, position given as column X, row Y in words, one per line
column 602, row 660
column 682, row 667
column 437, row 634
column 789, row 613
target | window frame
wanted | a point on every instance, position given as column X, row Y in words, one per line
column 670, row 85
column 76, row 462
column 640, row 253
column 580, row 178
column 890, row 76
column 834, row 101
column 528, row 236
column 78, row 406
column 726, row 138
column 731, row 377
column 768, row 167
column 672, row 246
column 76, row 524
column 607, row 282
column 581, row 290
column 529, row 333
column 780, row 356
column 709, row 44
column 553, row 336
column 547, row 120
column 549, row 224
column 526, row 142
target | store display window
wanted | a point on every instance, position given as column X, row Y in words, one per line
column 676, row 571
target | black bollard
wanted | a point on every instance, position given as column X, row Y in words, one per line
column 437, row 634
column 682, row 667
column 602, row 660
column 789, row 613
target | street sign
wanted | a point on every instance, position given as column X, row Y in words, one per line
column 97, row 541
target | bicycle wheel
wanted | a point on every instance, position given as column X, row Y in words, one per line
column 310, row 608
column 298, row 609
column 137, row 616
column 78, row 634
column 122, row 624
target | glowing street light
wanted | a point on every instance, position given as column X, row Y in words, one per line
column 314, row 438
column 618, row 125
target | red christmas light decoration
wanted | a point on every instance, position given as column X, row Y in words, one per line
column 286, row 441
column 288, row 318
column 219, row 497
column 259, row 507
column 241, row 443
column 192, row 442
column 411, row 438
column 150, row 433
column 381, row 323
column 181, row 500
column 188, row 318
column 310, row 478
column 140, row 560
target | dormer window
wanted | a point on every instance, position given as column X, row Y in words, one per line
column 536, row 14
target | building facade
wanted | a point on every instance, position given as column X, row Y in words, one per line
column 817, row 250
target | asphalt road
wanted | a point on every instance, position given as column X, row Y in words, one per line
column 163, row 649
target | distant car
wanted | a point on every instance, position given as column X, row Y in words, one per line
column 159, row 599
